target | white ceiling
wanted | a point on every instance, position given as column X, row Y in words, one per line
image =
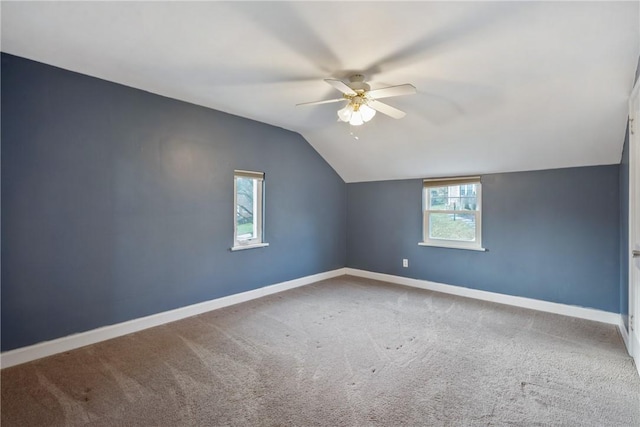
column 502, row 86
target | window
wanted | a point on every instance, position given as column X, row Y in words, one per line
column 452, row 213
column 248, row 202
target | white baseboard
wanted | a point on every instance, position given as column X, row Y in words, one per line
column 534, row 304
column 625, row 335
column 48, row 348
column 633, row 346
column 628, row 338
column 59, row 345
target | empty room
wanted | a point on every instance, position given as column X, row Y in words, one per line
column 320, row 213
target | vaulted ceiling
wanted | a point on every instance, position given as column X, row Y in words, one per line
column 502, row 86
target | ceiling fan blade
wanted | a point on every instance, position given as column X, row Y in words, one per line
column 321, row 102
column 341, row 86
column 386, row 109
column 307, row 38
column 406, row 89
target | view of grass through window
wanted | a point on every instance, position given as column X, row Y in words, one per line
column 452, row 226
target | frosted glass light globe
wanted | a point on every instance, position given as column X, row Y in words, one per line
column 356, row 119
column 367, row 112
column 345, row 113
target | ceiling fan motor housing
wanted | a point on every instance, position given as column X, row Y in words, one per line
column 356, row 82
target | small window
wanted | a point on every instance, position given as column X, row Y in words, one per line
column 248, row 202
column 452, row 215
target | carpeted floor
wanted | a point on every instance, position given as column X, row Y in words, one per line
column 342, row 352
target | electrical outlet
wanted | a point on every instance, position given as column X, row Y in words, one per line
column 405, row 262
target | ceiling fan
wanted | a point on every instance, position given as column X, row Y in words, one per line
column 362, row 102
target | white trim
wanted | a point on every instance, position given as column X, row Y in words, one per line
column 452, row 246
column 48, row 348
column 249, row 246
column 636, row 89
column 626, row 338
column 634, row 343
column 530, row 303
column 625, row 335
column 634, row 177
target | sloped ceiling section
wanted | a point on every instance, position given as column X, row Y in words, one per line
column 502, row 86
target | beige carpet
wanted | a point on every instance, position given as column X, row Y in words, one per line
column 342, row 352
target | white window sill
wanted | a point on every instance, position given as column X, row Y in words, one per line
column 452, row 246
column 252, row 246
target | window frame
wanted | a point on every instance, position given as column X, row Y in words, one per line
column 258, row 215
column 427, row 185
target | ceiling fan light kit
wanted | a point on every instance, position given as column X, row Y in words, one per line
column 362, row 102
column 356, row 113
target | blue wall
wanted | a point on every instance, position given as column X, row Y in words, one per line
column 117, row 203
column 551, row 235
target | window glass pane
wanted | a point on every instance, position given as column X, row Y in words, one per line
column 449, row 226
column 453, row 198
column 246, row 207
column 468, row 200
column 438, row 198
